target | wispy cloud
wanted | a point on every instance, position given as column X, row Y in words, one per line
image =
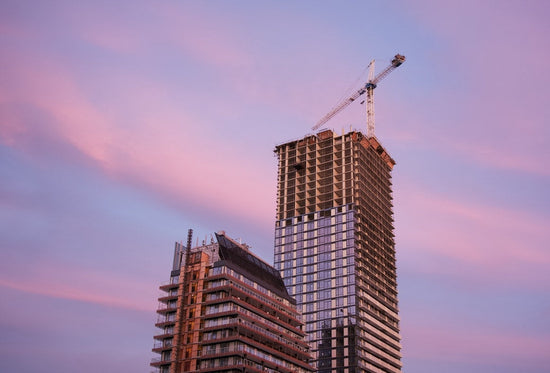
column 163, row 148
column 474, row 345
column 175, row 108
column 488, row 240
column 53, row 91
column 83, row 285
column 479, row 91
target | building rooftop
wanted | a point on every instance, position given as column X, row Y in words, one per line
column 238, row 257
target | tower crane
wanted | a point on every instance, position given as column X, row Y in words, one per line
column 369, row 86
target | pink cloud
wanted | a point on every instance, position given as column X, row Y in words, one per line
column 53, row 280
column 479, row 344
column 163, row 148
column 506, row 159
column 52, row 90
column 439, row 333
column 489, row 241
column 149, row 138
column 488, row 104
column 199, row 34
column 220, row 43
column 112, row 38
column 478, row 220
column 255, row 75
column 203, row 35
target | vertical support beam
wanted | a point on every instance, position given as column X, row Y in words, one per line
column 179, row 330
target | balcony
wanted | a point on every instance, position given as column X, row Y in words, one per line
column 167, row 307
column 162, row 345
column 168, row 285
column 256, row 299
column 163, row 320
column 167, row 297
column 158, row 361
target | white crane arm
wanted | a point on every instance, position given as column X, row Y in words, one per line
column 337, row 108
column 369, row 87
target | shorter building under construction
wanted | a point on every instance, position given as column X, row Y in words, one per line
column 225, row 310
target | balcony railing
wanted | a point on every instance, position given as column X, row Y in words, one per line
column 258, row 329
column 160, row 360
column 227, row 307
column 160, row 344
column 257, row 295
column 166, row 318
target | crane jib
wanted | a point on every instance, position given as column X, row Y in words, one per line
column 369, row 88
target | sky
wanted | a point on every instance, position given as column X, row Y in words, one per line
column 123, row 124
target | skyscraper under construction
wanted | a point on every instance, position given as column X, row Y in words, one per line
column 334, row 247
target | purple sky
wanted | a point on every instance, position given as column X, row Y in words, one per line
column 124, row 123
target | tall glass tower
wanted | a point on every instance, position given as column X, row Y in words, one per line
column 334, row 247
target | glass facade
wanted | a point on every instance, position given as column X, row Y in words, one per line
column 315, row 255
column 335, row 250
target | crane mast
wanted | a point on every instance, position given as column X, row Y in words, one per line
column 368, row 88
column 370, row 100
